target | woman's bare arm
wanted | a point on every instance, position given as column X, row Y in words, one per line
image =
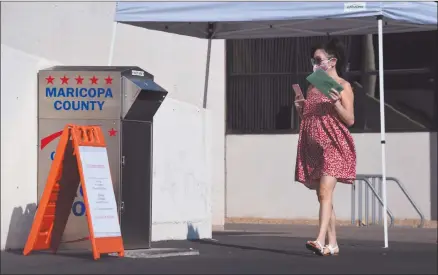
column 299, row 105
column 345, row 106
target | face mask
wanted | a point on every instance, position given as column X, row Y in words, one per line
column 324, row 67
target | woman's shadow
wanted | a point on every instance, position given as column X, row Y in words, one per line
column 193, row 236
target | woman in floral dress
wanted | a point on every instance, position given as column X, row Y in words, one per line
column 326, row 152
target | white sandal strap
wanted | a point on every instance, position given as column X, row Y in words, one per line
column 321, row 247
column 332, row 249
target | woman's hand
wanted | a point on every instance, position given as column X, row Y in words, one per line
column 299, row 104
column 334, row 95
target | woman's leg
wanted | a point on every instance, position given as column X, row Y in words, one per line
column 325, row 194
column 331, row 231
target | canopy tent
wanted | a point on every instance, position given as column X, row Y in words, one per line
column 241, row 20
column 234, row 20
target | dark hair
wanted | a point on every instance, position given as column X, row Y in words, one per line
column 334, row 48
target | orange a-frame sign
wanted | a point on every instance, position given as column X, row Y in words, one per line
column 81, row 158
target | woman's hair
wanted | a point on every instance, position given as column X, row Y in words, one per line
column 334, row 48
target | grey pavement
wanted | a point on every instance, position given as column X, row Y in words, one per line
column 255, row 249
column 370, row 233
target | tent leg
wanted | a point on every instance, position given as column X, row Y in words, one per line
column 113, row 41
column 382, row 127
column 207, row 75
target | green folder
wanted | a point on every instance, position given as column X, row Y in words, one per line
column 323, row 82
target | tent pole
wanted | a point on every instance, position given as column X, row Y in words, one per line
column 382, row 126
column 113, row 41
column 207, row 65
column 207, row 74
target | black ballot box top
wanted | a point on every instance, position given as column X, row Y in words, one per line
column 143, row 98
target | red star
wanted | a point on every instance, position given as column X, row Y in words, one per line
column 112, row 132
column 109, row 80
column 64, row 80
column 79, row 79
column 50, row 79
column 94, row 80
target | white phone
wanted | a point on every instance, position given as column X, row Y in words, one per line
column 297, row 90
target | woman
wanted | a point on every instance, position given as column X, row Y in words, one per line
column 326, row 152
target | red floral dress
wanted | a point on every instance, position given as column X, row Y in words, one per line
column 325, row 146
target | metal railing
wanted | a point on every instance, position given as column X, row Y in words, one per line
column 373, row 182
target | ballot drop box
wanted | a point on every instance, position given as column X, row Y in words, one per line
column 123, row 102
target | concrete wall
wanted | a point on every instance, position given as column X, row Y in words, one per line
column 181, row 195
column 260, row 176
column 189, row 142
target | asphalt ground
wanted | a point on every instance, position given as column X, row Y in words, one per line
column 255, row 249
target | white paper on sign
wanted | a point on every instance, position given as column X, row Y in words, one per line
column 100, row 191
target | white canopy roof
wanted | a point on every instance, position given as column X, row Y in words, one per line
column 233, row 20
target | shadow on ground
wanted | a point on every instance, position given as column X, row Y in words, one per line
column 254, row 248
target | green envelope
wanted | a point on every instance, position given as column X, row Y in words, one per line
column 323, row 82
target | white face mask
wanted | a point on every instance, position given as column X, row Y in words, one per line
column 321, row 67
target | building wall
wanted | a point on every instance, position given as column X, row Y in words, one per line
column 260, row 176
column 38, row 35
column 259, row 171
